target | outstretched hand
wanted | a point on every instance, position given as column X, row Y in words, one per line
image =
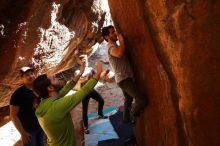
column 106, row 76
column 82, row 69
column 106, row 72
column 120, row 38
column 98, row 66
column 83, row 66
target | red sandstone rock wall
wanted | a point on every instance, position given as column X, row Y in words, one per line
column 175, row 46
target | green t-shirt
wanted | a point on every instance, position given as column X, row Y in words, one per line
column 54, row 114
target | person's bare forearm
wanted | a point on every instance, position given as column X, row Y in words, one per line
column 98, row 72
column 76, row 78
column 82, row 68
column 18, row 124
column 122, row 44
column 83, row 80
column 97, row 76
column 120, row 50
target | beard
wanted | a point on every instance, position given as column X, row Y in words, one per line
column 58, row 87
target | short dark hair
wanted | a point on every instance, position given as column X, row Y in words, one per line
column 40, row 85
column 105, row 31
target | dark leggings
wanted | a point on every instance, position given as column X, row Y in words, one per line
column 96, row 96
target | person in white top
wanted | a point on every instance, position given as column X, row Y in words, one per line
column 88, row 73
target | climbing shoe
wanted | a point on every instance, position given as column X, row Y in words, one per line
column 86, row 130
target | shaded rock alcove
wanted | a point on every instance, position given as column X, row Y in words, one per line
column 46, row 35
column 173, row 47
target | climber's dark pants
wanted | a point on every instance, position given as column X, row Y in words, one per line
column 130, row 91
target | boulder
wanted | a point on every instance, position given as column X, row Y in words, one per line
column 173, row 47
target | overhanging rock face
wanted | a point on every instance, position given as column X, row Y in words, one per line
column 46, row 35
column 174, row 46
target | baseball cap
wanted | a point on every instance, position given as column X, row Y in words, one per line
column 25, row 69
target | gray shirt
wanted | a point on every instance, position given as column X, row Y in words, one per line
column 120, row 66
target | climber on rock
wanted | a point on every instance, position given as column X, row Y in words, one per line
column 123, row 73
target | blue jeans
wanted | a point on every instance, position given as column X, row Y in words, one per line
column 37, row 138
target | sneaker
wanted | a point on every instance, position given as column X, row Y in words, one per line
column 102, row 117
column 86, row 130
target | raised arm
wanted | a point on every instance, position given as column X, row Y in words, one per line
column 118, row 51
column 65, row 104
column 73, row 82
column 69, row 85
